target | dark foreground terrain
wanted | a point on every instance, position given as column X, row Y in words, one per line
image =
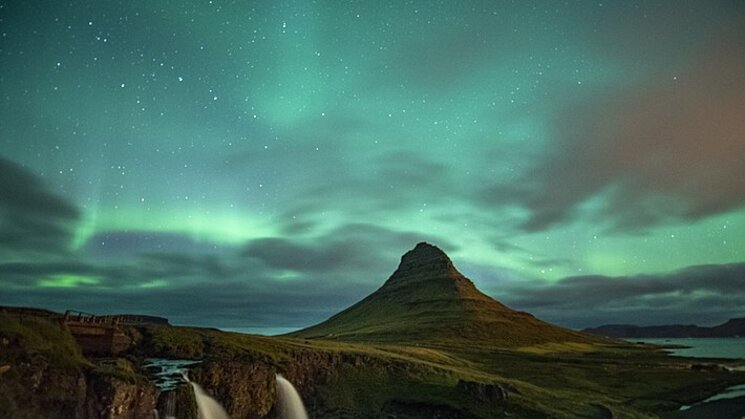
column 44, row 374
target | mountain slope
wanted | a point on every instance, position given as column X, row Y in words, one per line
column 427, row 300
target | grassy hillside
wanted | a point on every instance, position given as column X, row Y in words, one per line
column 572, row 380
column 346, row 379
column 427, row 301
column 27, row 337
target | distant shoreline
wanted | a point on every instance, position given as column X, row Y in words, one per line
column 683, row 350
column 732, row 328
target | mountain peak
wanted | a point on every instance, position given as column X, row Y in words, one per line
column 424, row 258
column 424, row 248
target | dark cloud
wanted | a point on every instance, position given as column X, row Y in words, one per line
column 190, row 290
column 287, row 254
column 248, row 286
column 297, row 281
column 32, row 218
column 33, row 270
column 708, row 293
column 272, row 282
column 205, row 266
column 21, row 191
column 670, row 149
column 243, row 304
column 28, row 274
column 354, row 249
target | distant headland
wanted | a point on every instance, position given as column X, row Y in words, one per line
column 730, row 329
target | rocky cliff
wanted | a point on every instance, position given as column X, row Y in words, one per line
column 246, row 389
column 43, row 374
column 47, row 385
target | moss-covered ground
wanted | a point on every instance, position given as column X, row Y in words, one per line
column 572, row 380
column 556, row 380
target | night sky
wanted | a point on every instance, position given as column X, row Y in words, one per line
column 261, row 165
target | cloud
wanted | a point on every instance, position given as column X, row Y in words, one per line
column 32, row 218
column 206, row 266
column 240, row 304
column 287, row 254
column 270, row 282
column 668, row 150
column 27, row 275
column 190, row 289
column 295, row 281
column 698, row 294
column 354, row 249
column 389, row 185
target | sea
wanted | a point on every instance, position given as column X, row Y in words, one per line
column 733, row 348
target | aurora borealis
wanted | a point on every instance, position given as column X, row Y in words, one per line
column 262, row 165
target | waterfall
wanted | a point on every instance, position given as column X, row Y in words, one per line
column 170, row 405
column 209, row 408
column 167, row 374
column 290, row 403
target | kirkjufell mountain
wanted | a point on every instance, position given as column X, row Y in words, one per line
column 427, row 300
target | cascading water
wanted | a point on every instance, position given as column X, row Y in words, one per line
column 208, row 407
column 290, row 403
column 169, row 406
column 167, row 375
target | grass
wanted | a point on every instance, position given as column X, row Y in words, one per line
column 120, row 368
column 559, row 379
column 43, row 368
column 440, row 309
column 560, row 347
column 555, row 379
column 28, row 337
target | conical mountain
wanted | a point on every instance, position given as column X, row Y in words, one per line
column 427, row 300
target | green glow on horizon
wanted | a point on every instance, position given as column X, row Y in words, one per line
column 67, row 281
column 157, row 283
column 286, row 275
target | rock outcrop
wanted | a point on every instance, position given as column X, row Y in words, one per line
column 38, row 388
column 245, row 389
column 110, row 398
column 485, row 392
